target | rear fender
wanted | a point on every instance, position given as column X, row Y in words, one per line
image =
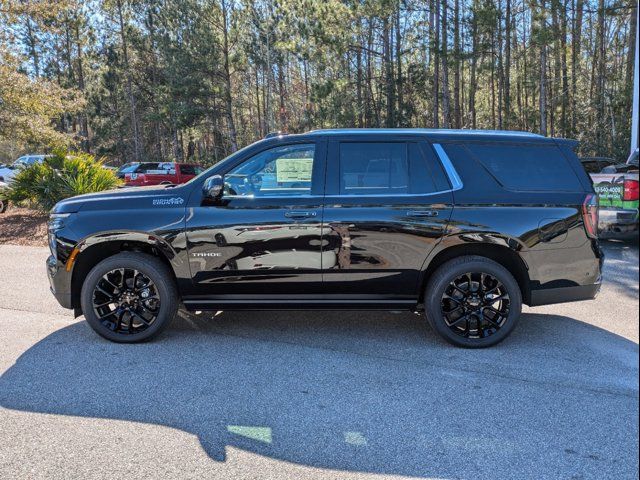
column 500, row 248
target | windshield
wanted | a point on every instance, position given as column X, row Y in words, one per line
column 128, row 168
column 21, row 161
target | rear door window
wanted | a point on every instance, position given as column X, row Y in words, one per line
column 147, row 167
column 187, row 170
column 386, row 168
column 527, row 167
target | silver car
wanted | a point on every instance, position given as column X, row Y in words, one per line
column 7, row 173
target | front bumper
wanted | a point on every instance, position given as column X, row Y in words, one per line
column 59, row 282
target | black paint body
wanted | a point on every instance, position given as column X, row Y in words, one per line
column 347, row 252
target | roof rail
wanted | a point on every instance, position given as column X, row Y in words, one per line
column 274, row 134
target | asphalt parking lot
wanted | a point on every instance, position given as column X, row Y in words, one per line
column 318, row 394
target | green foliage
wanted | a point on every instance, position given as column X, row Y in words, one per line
column 192, row 80
column 28, row 109
column 58, row 177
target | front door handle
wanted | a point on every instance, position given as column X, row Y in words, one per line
column 422, row 213
column 299, row 214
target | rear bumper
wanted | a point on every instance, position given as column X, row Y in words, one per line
column 617, row 222
column 59, row 282
column 550, row 296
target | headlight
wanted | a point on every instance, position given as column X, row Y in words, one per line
column 55, row 223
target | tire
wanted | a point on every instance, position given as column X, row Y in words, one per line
column 3, row 205
column 117, row 276
column 459, row 313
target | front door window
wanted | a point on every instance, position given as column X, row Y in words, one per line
column 281, row 172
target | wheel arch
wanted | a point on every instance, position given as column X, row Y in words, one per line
column 500, row 250
column 92, row 250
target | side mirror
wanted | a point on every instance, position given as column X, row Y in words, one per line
column 213, row 187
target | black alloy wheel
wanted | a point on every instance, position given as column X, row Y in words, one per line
column 126, row 301
column 129, row 297
column 475, row 305
column 472, row 301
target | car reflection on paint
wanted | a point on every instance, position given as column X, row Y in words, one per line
column 244, row 248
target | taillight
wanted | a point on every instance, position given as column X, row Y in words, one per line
column 590, row 215
column 630, row 190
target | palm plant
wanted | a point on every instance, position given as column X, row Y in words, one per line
column 58, row 177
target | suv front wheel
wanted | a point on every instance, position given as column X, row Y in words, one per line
column 129, row 297
column 473, row 302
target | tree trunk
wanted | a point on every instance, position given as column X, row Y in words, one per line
column 446, row 112
column 474, row 60
column 507, row 66
column 543, row 90
column 435, row 59
column 132, row 101
column 388, row 75
column 359, row 76
column 600, row 71
column 565, row 75
column 227, row 78
column 84, row 122
column 456, row 62
column 576, row 40
column 399, row 113
column 259, row 133
column 500, row 70
column 558, row 94
column 631, row 51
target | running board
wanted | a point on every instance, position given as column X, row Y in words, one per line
column 301, row 303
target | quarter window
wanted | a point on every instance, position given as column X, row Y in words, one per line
column 281, row 171
column 527, row 167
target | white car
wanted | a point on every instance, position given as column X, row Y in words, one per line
column 8, row 172
column 3, row 201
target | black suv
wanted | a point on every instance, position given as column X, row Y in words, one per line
column 463, row 225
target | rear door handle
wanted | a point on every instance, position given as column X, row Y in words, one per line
column 299, row 214
column 422, row 213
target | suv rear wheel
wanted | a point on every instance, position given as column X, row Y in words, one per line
column 473, row 302
column 129, row 297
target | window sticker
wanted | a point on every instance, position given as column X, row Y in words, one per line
column 293, row 169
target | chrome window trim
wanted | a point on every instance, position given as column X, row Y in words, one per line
column 257, row 197
column 454, row 178
column 452, row 174
column 369, row 195
column 389, row 195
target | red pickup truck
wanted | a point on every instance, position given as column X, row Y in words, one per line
column 162, row 173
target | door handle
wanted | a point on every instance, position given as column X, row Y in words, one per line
column 422, row 213
column 299, row 214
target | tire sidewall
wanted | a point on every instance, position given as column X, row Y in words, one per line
column 149, row 266
column 441, row 279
